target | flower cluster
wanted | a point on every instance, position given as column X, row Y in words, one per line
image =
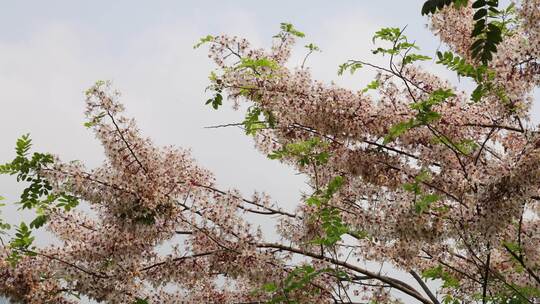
column 416, row 175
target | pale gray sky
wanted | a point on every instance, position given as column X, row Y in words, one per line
column 51, row 51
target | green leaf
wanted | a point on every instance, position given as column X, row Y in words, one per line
column 479, row 4
column 352, row 66
column 330, row 217
column 412, row 187
column 333, row 227
column 398, row 129
column 216, row 101
column 488, row 33
column 313, row 201
column 3, row 225
column 428, row 117
column 204, row 40
column 289, row 28
column 276, row 155
column 334, row 185
column 399, row 44
column 305, row 152
column 312, row 47
column 39, row 221
column 481, row 13
column 466, row 146
column 257, row 63
column 94, row 120
column 481, row 74
column 425, row 201
column 321, row 158
column 478, row 93
column 432, row 6
column 371, row 86
column 422, row 201
column 37, row 195
column 513, row 246
column 462, row 68
column 252, row 123
column 270, row 287
column 460, row 3
column 415, row 57
column 429, row 7
column 388, row 33
column 422, row 176
column 67, row 202
column 424, row 116
column 435, row 273
column 296, row 280
column 24, row 143
column 21, row 243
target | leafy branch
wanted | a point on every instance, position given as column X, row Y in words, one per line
column 488, row 30
column 422, row 201
column 310, row 151
column 38, row 195
column 488, row 35
column 432, row 6
column 424, row 116
column 400, row 46
column 296, row 280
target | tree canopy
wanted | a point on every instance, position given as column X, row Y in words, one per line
column 437, row 181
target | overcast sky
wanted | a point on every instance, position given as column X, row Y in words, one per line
column 51, row 51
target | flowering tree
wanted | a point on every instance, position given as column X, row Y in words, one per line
column 440, row 183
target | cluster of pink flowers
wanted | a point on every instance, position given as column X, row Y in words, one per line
column 487, row 197
column 460, row 192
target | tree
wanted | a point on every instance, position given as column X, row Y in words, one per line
column 441, row 184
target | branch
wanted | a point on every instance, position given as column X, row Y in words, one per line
column 128, row 146
column 522, row 263
column 197, row 255
column 270, row 210
column 424, row 287
column 395, row 283
column 486, row 277
column 88, row 272
column 509, row 128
